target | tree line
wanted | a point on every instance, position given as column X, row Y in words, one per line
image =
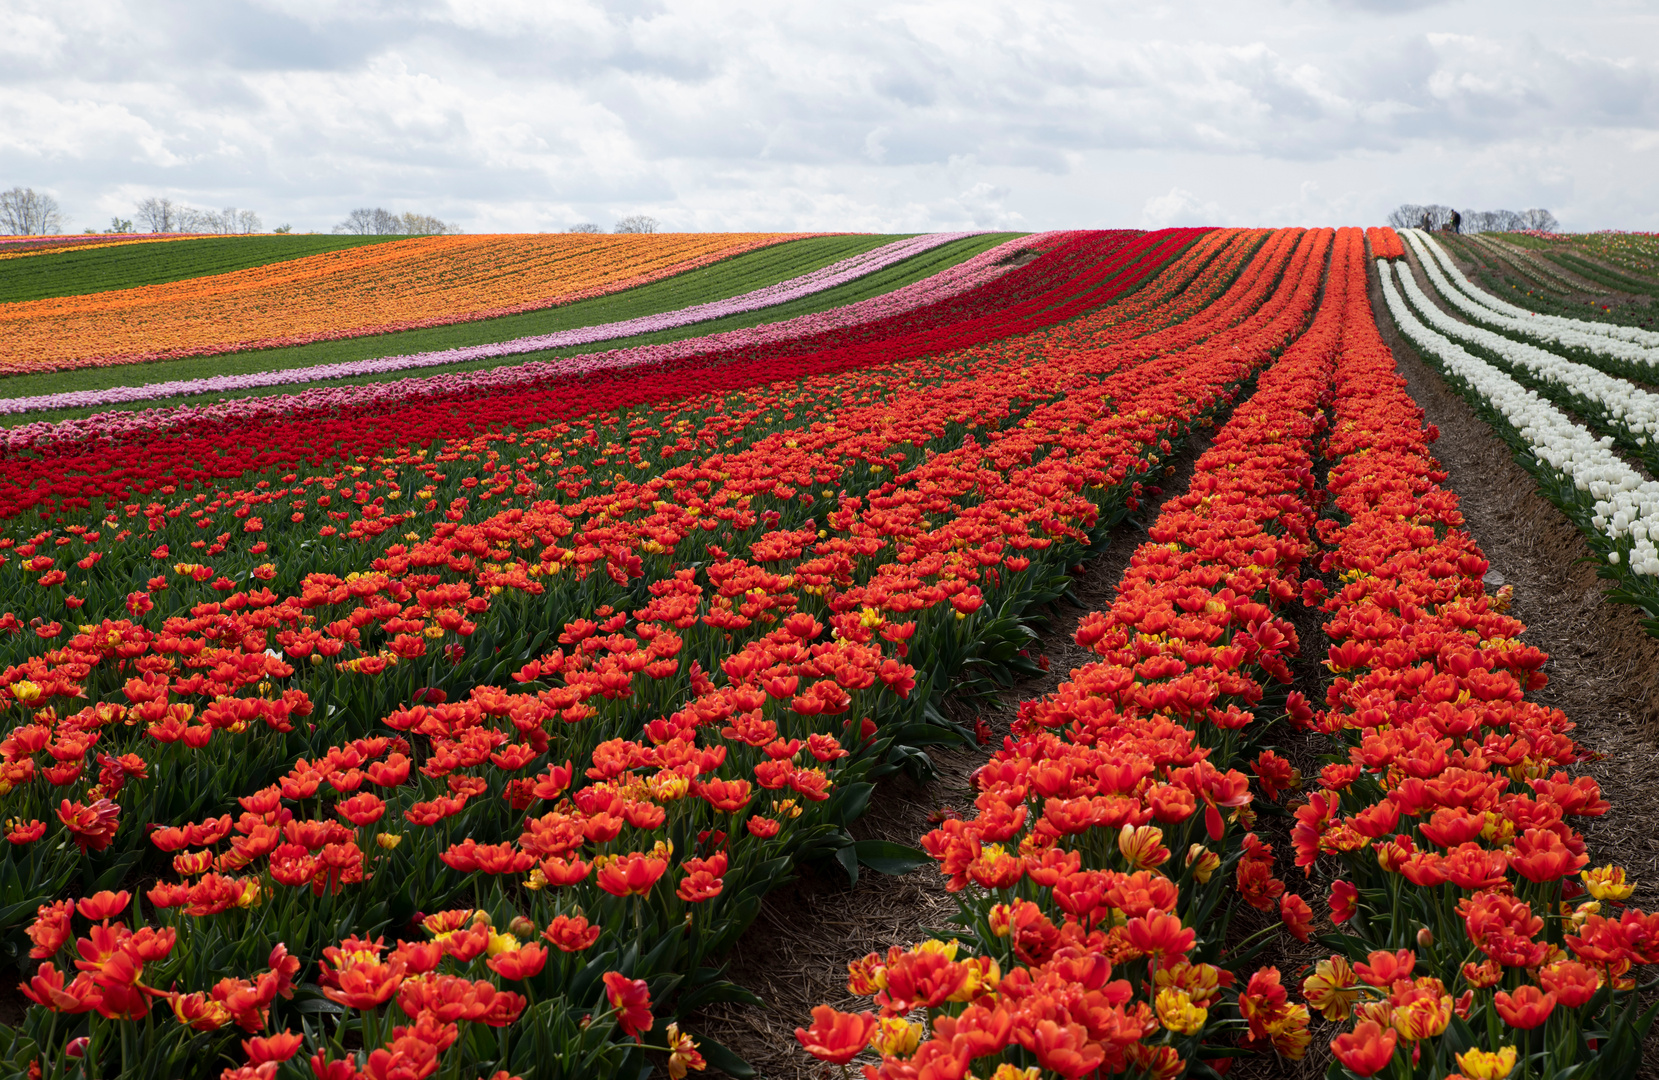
column 165, row 216
column 633, row 223
column 27, row 212
column 376, row 221
column 1437, row 217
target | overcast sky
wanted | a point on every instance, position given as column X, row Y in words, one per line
column 531, row 115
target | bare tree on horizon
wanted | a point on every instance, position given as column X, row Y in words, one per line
column 1412, row 216
column 27, row 212
column 158, row 215
column 378, row 221
column 636, row 223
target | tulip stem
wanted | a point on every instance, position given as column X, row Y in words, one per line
column 51, row 1040
column 371, row 1030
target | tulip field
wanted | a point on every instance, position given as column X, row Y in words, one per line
column 451, row 710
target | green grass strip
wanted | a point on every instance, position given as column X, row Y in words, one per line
column 626, row 305
column 136, row 263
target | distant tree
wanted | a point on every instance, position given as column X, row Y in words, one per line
column 27, row 212
column 1540, row 219
column 359, row 221
column 1479, row 221
column 1412, row 216
column 378, row 221
column 119, row 225
column 158, row 215
column 227, row 222
column 586, row 227
column 414, row 224
column 283, row 229
column 636, row 223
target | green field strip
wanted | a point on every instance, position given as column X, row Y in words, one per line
column 76, row 272
column 880, row 283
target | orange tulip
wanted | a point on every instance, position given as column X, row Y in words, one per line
column 631, row 875
column 631, row 999
column 1528, row 1007
column 836, row 1037
column 1367, row 1049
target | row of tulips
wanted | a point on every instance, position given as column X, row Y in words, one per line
column 324, row 853
column 279, row 529
column 600, row 530
column 1385, row 243
column 374, row 289
column 609, row 532
column 1615, row 506
column 1094, row 932
column 592, row 553
column 1635, row 347
column 349, row 423
column 1473, row 934
column 958, row 277
column 118, row 563
column 1614, row 406
column 122, row 575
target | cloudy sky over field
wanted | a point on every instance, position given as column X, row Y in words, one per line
column 529, row 115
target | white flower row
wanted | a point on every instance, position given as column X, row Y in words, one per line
column 1622, row 404
column 1622, row 506
column 1623, row 342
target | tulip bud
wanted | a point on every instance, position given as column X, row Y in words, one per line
column 1425, row 938
column 522, row 928
column 316, row 660
column 77, row 1047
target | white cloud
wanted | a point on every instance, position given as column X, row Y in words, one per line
column 1179, row 206
column 518, row 114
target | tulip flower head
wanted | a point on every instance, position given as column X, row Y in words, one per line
column 836, row 1037
column 1366, row 1050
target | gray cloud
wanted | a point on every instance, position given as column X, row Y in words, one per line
column 515, row 114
